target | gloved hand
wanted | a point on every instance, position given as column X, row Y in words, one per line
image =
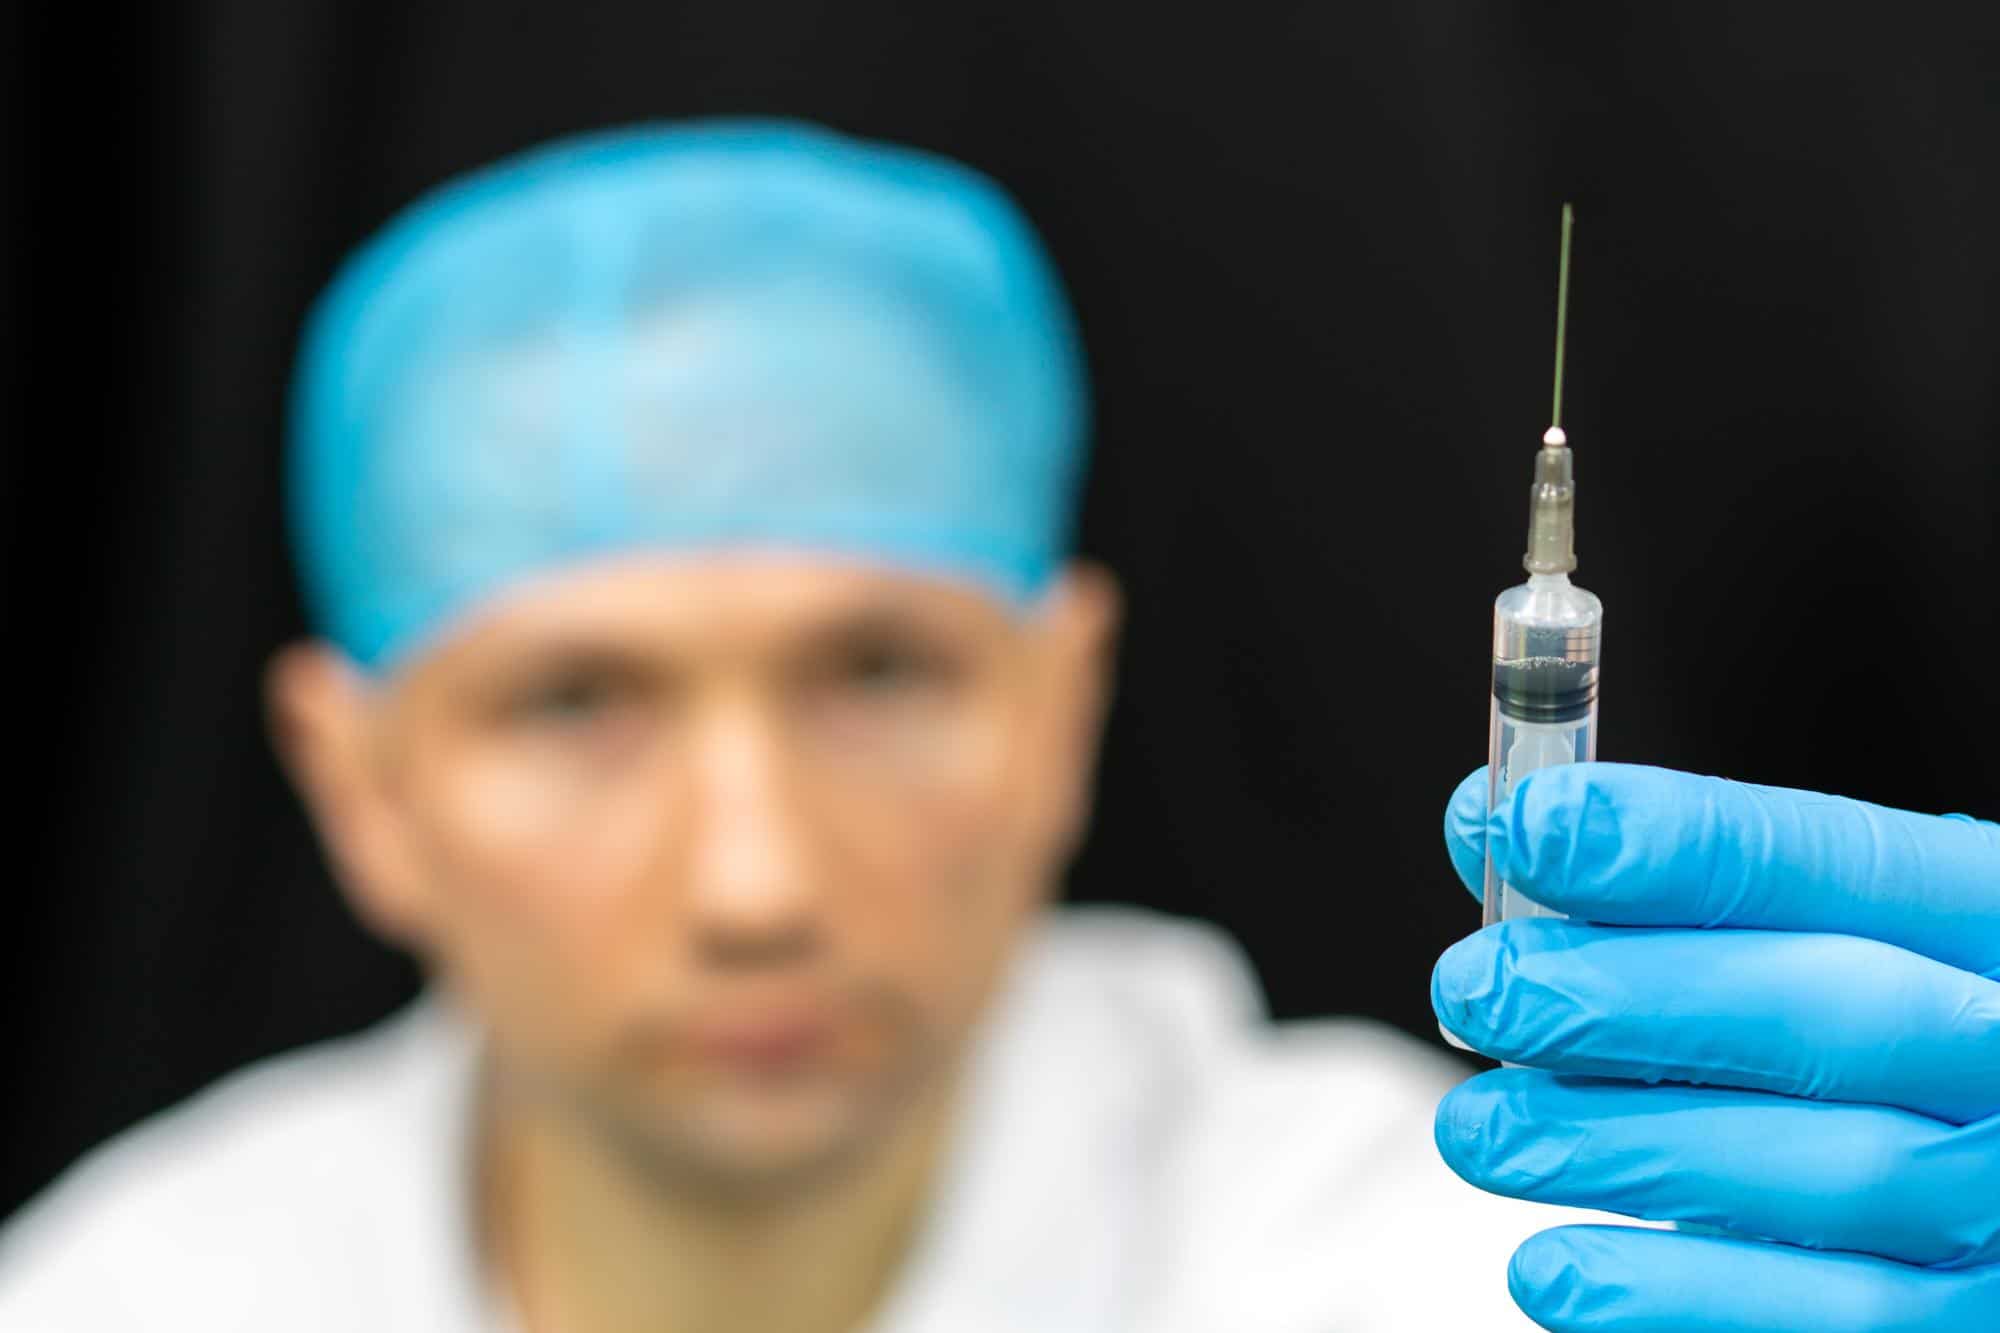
column 1784, row 1022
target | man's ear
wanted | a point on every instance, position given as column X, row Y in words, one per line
column 323, row 715
column 1082, row 620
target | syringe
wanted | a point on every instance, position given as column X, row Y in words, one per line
column 1547, row 633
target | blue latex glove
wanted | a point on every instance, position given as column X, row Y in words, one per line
column 1784, row 1022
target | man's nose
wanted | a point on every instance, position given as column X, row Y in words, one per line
column 751, row 890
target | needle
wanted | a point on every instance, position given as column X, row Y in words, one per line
column 1555, row 437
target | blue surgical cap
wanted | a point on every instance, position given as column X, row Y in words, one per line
column 664, row 338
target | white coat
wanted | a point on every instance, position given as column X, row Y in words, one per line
column 1141, row 1151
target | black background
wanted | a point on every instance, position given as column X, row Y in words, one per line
column 1313, row 251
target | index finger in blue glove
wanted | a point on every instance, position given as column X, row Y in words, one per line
column 1593, row 1279
column 1622, row 844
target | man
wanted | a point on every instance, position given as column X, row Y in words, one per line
column 707, row 698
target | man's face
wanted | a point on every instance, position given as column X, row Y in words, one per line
column 725, row 852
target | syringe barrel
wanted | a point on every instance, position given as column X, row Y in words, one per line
column 1547, row 634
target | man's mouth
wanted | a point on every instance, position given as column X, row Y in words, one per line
column 768, row 1042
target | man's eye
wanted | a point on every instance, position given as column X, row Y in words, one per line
column 886, row 669
column 569, row 700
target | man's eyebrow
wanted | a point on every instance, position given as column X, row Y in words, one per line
column 876, row 619
column 573, row 651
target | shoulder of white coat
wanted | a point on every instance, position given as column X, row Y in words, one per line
column 1184, row 977
column 1336, row 1093
column 1309, row 1193
column 1290, row 1170
column 263, row 1168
